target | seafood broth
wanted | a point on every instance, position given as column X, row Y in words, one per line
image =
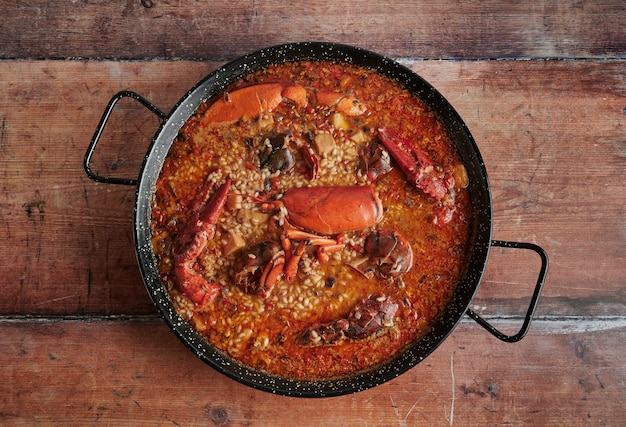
column 313, row 221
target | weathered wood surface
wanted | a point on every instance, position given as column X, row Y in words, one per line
column 551, row 135
column 210, row 30
column 120, row 372
column 80, row 342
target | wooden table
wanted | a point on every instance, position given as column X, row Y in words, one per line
column 542, row 87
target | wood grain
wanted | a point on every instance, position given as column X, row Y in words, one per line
column 113, row 372
column 554, row 182
column 81, row 343
column 216, row 30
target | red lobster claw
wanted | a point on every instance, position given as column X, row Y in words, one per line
column 191, row 241
column 415, row 163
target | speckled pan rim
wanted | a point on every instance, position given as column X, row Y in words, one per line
column 481, row 226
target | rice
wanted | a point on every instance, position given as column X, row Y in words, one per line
column 263, row 331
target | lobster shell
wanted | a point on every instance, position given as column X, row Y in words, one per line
column 332, row 210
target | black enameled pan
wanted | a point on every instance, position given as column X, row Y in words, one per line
column 481, row 227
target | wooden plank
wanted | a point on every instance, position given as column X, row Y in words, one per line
column 552, row 142
column 223, row 30
column 551, row 134
column 73, row 237
column 545, row 106
column 51, row 375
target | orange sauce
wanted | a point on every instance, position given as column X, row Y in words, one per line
column 266, row 333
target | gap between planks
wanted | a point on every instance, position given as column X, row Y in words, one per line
column 544, row 324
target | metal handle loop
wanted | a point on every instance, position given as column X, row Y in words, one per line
column 533, row 301
column 99, row 130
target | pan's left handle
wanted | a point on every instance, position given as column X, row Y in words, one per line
column 533, row 301
column 96, row 137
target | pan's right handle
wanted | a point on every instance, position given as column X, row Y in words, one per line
column 533, row 301
column 96, row 137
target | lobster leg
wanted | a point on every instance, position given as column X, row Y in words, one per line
column 305, row 239
column 291, row 267
column 192, row 240
column 270, row 274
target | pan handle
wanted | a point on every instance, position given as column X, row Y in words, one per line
column 533, row 301
column 105, row 117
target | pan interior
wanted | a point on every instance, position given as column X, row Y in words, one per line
column 480, row 205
